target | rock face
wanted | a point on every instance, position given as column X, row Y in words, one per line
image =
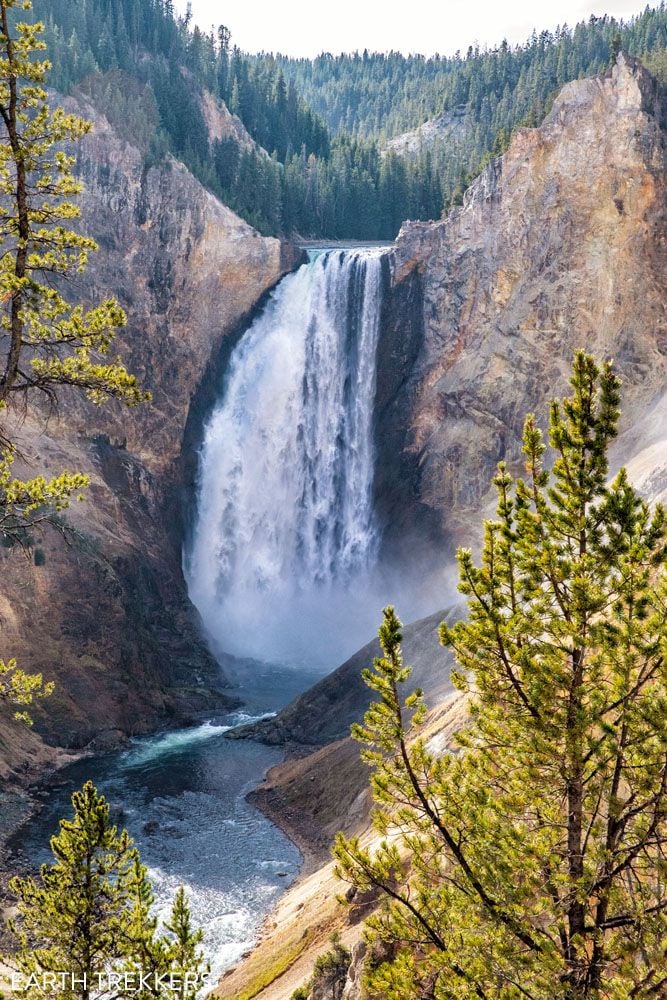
column 222, row 124
column 186, row 269
column 447, row 128
column 560, row 244
column 105, row 613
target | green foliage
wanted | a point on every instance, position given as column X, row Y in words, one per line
column 657, row 63
column 533, row 861
column 89, row 915
column 25, row 505
column 183, row 952
column 128, row 105
column 49, row 343
column 29, row 503
column 373, row 96
column 19, row 688
column 615, row 48
column 325, row 121
column 99, row 47
column 145, row 952
column 46, row 343
column 78, row 915
column 284, row 958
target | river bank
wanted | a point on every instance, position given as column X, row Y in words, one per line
column 21, row 801
column 311, row 798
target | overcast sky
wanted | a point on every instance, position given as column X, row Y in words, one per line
column 307, row 27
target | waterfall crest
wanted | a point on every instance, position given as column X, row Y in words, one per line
column 285, row 538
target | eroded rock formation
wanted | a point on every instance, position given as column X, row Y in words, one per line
column 105, row 614
column 560, row 244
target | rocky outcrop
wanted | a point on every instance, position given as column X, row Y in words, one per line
column 222, row 124
column 559, row 244
column 436, row 133
column 104, row 612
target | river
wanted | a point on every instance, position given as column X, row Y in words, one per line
column 181, row 795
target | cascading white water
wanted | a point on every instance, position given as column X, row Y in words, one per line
column 285, row 538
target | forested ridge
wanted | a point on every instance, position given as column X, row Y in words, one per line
column 324, row 123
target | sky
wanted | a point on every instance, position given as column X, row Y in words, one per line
column 307, row 27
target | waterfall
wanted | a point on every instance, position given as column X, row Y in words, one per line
column 285, row 539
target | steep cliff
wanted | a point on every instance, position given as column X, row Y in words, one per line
column 105, row 612
column 559, row 244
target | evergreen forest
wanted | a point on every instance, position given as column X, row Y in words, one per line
column 323, row 163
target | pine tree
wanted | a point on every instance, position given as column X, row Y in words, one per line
column 224, row 38
column 235, row 100
column 19, row 689
column 77, row 918
column 185, row 957
column 370, row 97
column 532, row 863
column 86, row 925
column 615, row 47
column 49, row 343
column 46, row 342
column 147, row 956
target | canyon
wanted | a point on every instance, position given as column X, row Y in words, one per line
column 559, row 244
column 484, row 312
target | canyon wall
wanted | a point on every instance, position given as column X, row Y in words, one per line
column 560, row 244
column 105, row 612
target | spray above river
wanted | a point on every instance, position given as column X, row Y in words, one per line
column 285, row 539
